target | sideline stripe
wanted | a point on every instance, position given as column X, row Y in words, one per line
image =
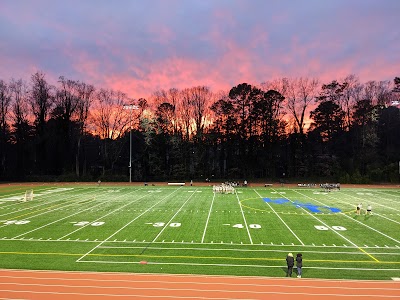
column 368, row 254
column 232, row 265
column 284, row 223
column 191, row 297
column 194, row 257
column 305, row 281
column 244, row 218
column 358, row 247
column 208, row 218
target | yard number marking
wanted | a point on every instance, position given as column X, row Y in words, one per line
column 162, row 224
column 84, row 223
column 338, row 228
column 252, row 226
column 16, row 222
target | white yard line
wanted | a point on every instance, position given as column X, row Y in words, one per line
column 244, row 218
column 237, row 250
column 385, row 193
column 42, row 203
column 239, row 265
column 284, row 223
column 319, row 220
column 194, row 282
column 49, row 211
column 359, row 199
column 126, row 225
column 111, row 212
column 44, row 240
column 382, row 216
column 169, row 222
column 389, row 237
column 208, row 218
column 58, row 220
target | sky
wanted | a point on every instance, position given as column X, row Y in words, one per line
column 142, row 46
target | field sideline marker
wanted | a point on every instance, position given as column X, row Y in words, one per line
column 127, row 224
column 287, row 226
column 208, row 218
column 244, row 219
column 192, row 257
column 335, row 230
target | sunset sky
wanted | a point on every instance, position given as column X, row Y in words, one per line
column 139, row 47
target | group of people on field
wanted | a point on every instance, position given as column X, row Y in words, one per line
column 367, row 212
column 290, row 264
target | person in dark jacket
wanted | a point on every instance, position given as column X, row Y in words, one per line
column 299, row 263
column 290, row 264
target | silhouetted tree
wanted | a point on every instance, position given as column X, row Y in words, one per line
column 41, row 102
column 5, row 101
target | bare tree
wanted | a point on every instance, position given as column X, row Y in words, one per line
column 172, row 96
column 110, row 121
column 300, row 94
column 21, row 128
column 40, row 100
column 19, row 93
column 109, row 117
column 5, row 102
column 378, row 92
column 186, row 112
column 85, row 96
column 201, row 97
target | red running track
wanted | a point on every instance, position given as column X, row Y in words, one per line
column 46, row 285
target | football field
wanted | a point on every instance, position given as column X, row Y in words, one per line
column 191, row 229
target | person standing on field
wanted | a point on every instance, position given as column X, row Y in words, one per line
column 290, row 264
column 299, row 263
column 358, row 209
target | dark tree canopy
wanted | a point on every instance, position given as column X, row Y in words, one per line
column 286, row 129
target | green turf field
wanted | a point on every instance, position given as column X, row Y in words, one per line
column 182, row 229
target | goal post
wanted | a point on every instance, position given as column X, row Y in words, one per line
column 28, row 196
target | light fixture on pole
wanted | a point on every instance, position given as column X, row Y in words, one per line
column 130, row 107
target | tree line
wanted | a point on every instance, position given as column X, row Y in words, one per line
column 286, row 128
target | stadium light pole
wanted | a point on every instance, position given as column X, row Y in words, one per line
column 130, row 107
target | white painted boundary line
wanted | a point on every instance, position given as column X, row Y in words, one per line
column 52, row 210
column 44, row 240
column 111, row 212
column 42, row 203
column 208, row 218
column 172, row 218
column 58, row 220
column 223, row 289
column 373, row 202
column 17, row 195
column 382, row 216
column 369, row 227
column 312, row 215
column 235, row 265
column 127, row 224
column 130, row 274
column 244, row 218
column 266, row 284
column 284, row 223
column 243, row 250
column 71, row 204
column 376, row 191
column 361, row 199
